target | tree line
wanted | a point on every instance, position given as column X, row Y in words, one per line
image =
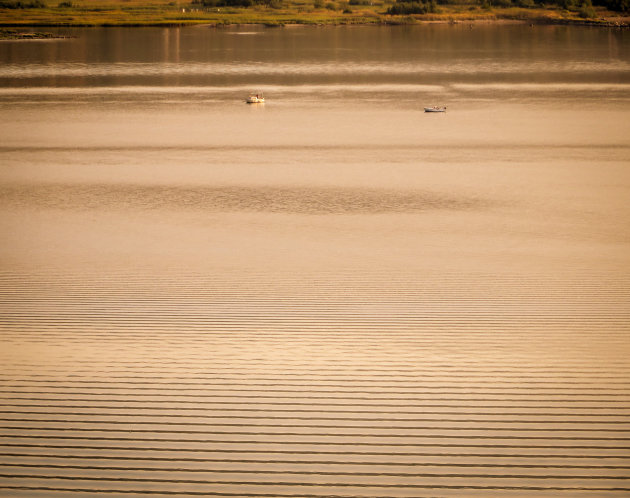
column 406, row 7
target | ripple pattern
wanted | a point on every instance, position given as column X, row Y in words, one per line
column 294, row 385
column 302, row 200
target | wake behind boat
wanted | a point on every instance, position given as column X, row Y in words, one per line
column 435, row 108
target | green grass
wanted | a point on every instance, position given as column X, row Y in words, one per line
column 171, row 13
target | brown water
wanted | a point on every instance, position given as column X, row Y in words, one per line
column 333, row 294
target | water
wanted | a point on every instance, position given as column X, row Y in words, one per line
column 333, row 294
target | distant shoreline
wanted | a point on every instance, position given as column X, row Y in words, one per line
column 18, row 32
column 164, row 13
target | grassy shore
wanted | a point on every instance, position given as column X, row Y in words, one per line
column 179, row 13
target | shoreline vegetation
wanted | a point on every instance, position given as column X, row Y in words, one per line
column 13, row 34
column 85, row 13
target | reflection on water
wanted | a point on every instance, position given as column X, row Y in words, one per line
column 396, row 59
column 331, row 295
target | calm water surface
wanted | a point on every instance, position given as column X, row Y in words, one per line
column 331, row 294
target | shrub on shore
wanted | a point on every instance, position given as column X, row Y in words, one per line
column 584, row 8
column 237, row 3
column 22, row 4
column 403, row 8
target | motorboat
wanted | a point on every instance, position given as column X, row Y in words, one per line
column 435, row 108
column 255, row 98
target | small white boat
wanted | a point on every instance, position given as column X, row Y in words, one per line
column 255, row 98
column 435, row 108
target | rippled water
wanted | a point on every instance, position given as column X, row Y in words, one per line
column 332, row 294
